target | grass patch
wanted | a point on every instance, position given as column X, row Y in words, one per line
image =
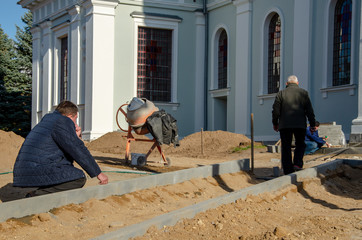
column 243, row 148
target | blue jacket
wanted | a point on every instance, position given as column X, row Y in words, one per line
column 47, row 154
column 314, row 137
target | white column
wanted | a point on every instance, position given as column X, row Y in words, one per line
column 242, row 66
column 356, row 128
column 99, row 114
column 47, row 69
column 301, row 41
column 74, row 49
column 36, row 31
column 199, row 71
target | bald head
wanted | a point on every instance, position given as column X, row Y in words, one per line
column 292, row 79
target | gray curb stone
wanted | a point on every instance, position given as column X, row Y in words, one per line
column 35, row 205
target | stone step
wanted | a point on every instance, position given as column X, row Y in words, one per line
column 334, row 132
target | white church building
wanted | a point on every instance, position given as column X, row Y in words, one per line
column 209, row 63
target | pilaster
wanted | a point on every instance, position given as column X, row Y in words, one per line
column 301, row 44
column 199, row 71
column 242, row 66
column 75, row 51
column 36, row 75
column 46, row 73
column 356, row 128
column 99, row 69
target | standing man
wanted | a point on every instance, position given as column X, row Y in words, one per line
column 290, row 109
column 46, row 157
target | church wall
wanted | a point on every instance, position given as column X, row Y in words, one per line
column 182, row 106
column 222, row 18
column 261, row 102
column 335, row 105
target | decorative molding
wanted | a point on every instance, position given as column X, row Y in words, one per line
column 264, row 97
column 60, row 26
column 224, row 92
column 218, row 4
column 243, row 6
column 174, row 106
column 180, row 6
column 351, row 88
column 156, row 16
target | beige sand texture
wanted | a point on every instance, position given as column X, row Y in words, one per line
column 321, row 208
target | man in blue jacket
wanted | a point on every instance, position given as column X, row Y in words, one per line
column 46, row 157
column 312, row 140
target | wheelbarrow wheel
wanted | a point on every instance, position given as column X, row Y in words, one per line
column 168, row 160
column 141, row 161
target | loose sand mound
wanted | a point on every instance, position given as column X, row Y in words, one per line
column 115, row 142
column 214, row 142
column 10, row 144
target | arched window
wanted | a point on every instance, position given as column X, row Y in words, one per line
column 342, row 43
column 222, row 60
column 274, row 54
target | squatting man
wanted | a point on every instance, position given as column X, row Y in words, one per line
column 45, row 160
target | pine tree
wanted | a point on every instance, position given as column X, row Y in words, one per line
column 15, row 79
column 6, row 56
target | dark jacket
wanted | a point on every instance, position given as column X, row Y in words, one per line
column 47, row 154
column 314, row 137
column 163, row 128
column 291, row 108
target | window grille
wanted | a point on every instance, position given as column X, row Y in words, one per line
column 154, row 64
column 342, row 43
column 64, row 69
column 274, row 54
column 222, row 60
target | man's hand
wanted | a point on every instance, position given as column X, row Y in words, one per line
column 103, row 179
column 328, row 145
column 78, row 131
column 276, row 128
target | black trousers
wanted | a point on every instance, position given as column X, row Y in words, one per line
column 78, row 183
column 286, row 137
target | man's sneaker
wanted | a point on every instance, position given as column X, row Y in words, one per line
column 297, row 168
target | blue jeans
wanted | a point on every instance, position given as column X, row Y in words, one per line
column 311, row 147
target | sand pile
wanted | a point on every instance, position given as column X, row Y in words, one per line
column 214, row 142
column 115, row 142
column 10, row 144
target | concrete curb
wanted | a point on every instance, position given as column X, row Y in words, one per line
column 348, row 150
column 24, row 207
column 171, row 218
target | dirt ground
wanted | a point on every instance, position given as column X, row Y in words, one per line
column 321, row 208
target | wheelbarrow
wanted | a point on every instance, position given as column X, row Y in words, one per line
column 136, row 115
